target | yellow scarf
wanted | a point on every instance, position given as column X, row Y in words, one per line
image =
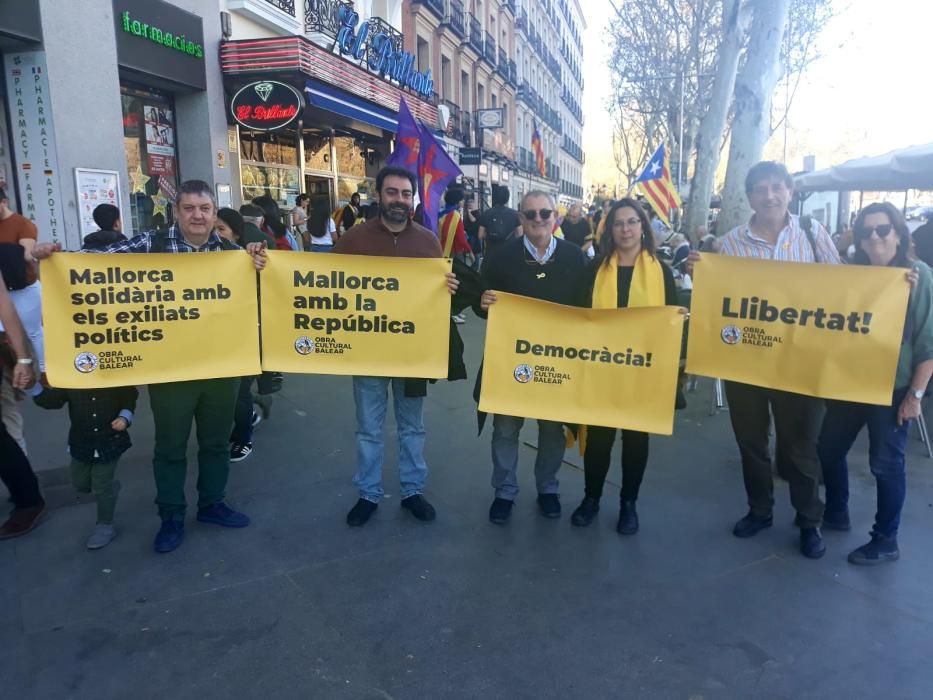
column 647, row 290
column 647, row 283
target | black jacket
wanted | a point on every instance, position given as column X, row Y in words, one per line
column 91, row 439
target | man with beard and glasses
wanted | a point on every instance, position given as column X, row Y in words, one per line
column 391, row 234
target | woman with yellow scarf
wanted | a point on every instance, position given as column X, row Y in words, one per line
column 626, row 273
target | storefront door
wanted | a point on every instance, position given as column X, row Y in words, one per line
column 151, row 156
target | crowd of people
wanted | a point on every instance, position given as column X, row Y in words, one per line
column 620, row 257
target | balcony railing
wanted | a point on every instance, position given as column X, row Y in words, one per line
column 453, row 126
column 286, row 6
column 476, row 35
column 513, row 73
column 323, row 16
column 436, row 6
column 377, row 25
column 454, row 18
column 490, row 52
column 521, row 21
column 503, row 66
column 509, row 5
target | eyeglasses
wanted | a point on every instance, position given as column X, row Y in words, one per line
column 545, row 214
column 882, row 230
column 619, row 223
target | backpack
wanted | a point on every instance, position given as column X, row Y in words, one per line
column 498, row 229
column 160, row 241
column 806, row 223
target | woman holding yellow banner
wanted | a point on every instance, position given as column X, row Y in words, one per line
column 626, row 274
column 881, row 238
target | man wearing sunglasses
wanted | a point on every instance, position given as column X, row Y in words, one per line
column 540, row 266
column 774, row 234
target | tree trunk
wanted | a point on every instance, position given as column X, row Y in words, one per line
column 754, row 87
column 735, row 17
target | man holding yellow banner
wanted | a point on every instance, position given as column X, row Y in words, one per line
column 175, row 405
column 539, row 266
column 772, row 233
column 392, row 234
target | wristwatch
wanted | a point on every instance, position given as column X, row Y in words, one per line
column 918, row 394
column 24, row 361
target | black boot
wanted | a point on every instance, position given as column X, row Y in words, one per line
column 628, row 519
column 585, row 512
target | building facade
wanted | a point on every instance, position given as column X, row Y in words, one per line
column 102, row 97
column 549, row 55
column 275, row 97
column 522, row 57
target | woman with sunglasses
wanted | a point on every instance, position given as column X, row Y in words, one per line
column 625, row 274
column 881, row 238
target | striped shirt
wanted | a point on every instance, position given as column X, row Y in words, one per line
column 792, row 244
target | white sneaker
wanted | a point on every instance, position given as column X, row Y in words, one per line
column 459, row 318
column 102, row 536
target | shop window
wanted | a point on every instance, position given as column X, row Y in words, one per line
column 349, row 160
column 269, row 166
column 151, row 156
column 317, row 153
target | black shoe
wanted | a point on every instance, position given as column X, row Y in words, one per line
column 549, row 505
column 628, row 518
column 811, row 543
column 419, row 507
column 361, row 512
column 500, row 511
column 240, row 451
column 585, row 512
column 837, row 521
column 751, row 525
column 878, row 551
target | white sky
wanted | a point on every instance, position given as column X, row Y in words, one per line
column 872, row 91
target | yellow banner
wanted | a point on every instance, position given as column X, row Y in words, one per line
column 610, row 367
column 124, row 319
column 832, row 331
column 355, row 314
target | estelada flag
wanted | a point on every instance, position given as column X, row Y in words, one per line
column 656, row 184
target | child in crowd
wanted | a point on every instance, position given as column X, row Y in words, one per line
column 98, row 436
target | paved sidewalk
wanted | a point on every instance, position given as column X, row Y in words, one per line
column 301, row 606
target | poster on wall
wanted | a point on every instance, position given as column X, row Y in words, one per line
column 33, row 139
column 160, row 140
column 95, row 187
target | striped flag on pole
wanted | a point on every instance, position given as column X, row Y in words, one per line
column 656, row 184
column 538, row 149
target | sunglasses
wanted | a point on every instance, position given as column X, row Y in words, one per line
column 530, row 214
column 883, row 230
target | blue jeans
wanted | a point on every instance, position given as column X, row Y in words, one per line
column 886, row 444
column 321, row 248
column 371, row 397
column 551, row 445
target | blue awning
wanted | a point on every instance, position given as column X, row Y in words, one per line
column 327, row 97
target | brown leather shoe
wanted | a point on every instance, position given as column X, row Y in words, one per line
column 21, row 521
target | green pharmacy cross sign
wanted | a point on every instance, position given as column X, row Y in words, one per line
column 173, row 41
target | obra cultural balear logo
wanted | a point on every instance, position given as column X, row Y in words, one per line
column 731, row 335
column 523, row 374
column 320, row 346
column 86, row 362
column 304, row 345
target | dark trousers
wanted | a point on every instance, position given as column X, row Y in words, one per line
column 209, row 403
column 886, row 444
column 596, row 458
column 16, row 473
column 797, row 422
column 243, row 413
